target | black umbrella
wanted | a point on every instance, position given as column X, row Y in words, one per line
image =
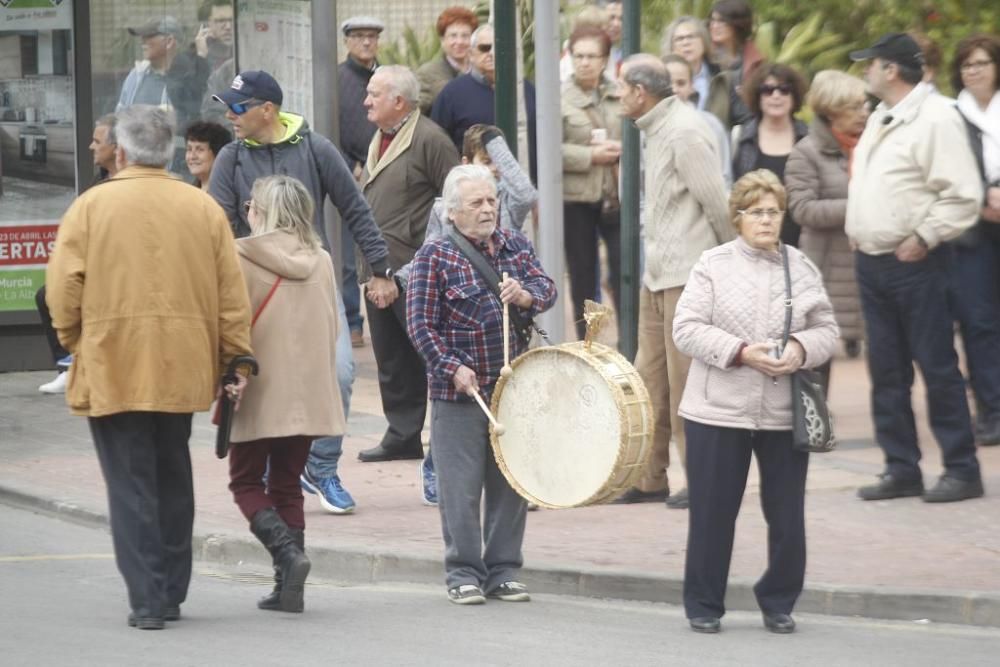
column 225, row 408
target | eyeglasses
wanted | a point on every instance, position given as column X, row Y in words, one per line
column 762, row 214
column 768, row 89
column 975, row 65
column 364, row 36
column 685, row 38
column 484, row 48
column 240, row 108
column 586, row 56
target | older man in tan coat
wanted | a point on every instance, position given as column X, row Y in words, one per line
column 145, row 290
column 685, row 214
column 408, row 160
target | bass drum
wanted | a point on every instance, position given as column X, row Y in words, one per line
column 577, row 423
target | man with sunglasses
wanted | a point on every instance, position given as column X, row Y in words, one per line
column 914, row 185
column 271, row 141
column 469, row 98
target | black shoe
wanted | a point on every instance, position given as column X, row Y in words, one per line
column 988, row 431
column 781, row 624
column 145, row 622
column 890, row 487
column 951, row 489
column 381, row 453
column 679, row 500
column 635, row 495
column 705, row 624
column 274, row 534
column 172, row 613
column 272, row 601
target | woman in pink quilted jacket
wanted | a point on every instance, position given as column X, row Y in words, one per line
column 737, row 401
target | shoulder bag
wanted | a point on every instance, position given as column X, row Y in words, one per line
column 812, row 426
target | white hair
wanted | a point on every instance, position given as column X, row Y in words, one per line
column 401, row 81
column 474, row 39
column 146, row 134
column 451, row 195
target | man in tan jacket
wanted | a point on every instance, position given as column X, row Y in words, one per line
column 685, row 215
column 145, row 290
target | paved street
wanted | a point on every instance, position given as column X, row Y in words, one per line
column 64, row 603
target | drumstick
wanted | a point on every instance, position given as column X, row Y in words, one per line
column 497, row 426
column 506, row 371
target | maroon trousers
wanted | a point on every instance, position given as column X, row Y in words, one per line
column 283, row 459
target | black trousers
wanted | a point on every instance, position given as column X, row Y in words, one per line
column 58, row 351
column 718, row 460
column 402, row 378
column 582, row 223
column 147, row 468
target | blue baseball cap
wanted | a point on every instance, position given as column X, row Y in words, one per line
column 251, row 85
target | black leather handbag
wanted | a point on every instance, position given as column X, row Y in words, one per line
column 812, row 425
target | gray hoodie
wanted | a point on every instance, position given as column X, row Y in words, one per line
column 312, row 159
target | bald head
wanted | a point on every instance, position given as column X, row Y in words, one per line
column 643, row 81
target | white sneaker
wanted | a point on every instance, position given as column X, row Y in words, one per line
column 57, row 386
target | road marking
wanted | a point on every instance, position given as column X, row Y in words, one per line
column 44, row 557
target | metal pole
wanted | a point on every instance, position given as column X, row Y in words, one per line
column 628, row 334
column 505, row 53
column 548, row 133
column 325, row 117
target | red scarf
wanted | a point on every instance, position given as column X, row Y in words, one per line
column 847, row 144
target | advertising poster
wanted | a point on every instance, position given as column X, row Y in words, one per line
column 24, row 252
column 36, row 14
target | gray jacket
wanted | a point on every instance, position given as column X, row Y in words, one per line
column 312, row 159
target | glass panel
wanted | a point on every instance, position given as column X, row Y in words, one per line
column 37, row 147
column 276, row 36
column 161, row 52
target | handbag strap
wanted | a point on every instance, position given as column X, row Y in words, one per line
column 487, row 273
column 788, row 297
column 263, row 303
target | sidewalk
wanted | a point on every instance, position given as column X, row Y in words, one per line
column 900, row 559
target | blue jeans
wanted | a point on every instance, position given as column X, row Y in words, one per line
column 349, row 288
column 325, row 452
column 908, row 319
column 975, row 284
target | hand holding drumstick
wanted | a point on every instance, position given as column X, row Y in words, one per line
column 465, row 382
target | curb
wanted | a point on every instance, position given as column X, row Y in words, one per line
column 357, row 566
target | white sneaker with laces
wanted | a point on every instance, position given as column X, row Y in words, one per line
column 57, row 386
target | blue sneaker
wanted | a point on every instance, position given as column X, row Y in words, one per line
column 333, row 497
column 64, row 363
column 428, row 484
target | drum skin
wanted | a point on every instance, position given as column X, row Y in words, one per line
column 577, row 422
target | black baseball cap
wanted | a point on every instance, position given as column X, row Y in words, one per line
column 251, row 85
column 895, row 47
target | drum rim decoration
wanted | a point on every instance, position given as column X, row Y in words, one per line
column 592, row 355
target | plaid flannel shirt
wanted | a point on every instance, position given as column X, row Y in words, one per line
column 454, row 319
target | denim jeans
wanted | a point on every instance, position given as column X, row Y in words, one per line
column 349, row 288
column 907, row 319
column 325, row 452
column 975, row 285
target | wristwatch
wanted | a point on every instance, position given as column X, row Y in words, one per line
column 389, row 273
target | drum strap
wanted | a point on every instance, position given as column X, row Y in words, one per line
column 523, row 326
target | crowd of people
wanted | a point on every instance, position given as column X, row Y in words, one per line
column 878, row 223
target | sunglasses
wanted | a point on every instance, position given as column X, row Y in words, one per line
column 768, row 89
column 484, row 48
column 240, row 108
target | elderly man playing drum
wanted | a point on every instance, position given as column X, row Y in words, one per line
column 455, row 321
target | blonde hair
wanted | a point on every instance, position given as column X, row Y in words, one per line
column 833, row 92
column 751, row 188
column 282, row 202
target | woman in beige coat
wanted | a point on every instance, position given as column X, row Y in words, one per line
column 591, row 149
column 738, row 401
column 816, row 177
column 295, row 399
